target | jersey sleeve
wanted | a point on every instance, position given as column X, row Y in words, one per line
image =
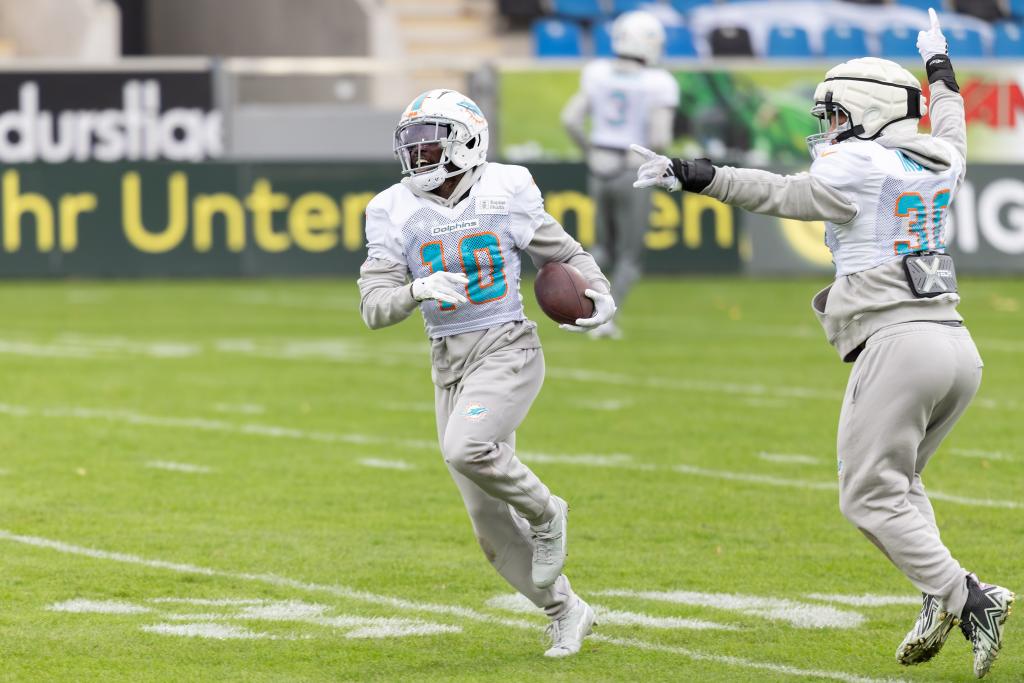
column 665, row 90
column 526, row 212
column 383, row 239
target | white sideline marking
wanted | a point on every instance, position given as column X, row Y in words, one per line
column 698, row 656
column 402, row 604
column 798, row 614
column 23, row 348
column 207, row 630
column 866, row 600
column 120, row 345
column 978, row 453
column 196, row 616
column 209, row 602
column 789, row 458
column 83, row 606
column 610, row 405
column 757, row 478
column 178, row 467
column 387, row 464
column 241, row 408
column 976, row 502
column 592, row 459
column 516, row 602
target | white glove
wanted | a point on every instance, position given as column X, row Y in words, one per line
column 656, row 171
column 604, row 310
column 441, row 286
column 932, row 42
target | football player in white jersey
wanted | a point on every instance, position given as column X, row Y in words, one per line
column 884, row 191
column 456, row 227
column 627, row 99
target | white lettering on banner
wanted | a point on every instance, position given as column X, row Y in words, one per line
column 137, row 131
column 1003, row 197
column 458, row 226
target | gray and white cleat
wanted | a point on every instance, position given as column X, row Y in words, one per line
column 549, row 546
column 568, row 631
column 982, row 620
column 928, row 635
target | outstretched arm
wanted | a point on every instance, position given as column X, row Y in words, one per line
column 947, row 106
column 801, row 196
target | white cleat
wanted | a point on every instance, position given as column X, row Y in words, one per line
column 549, row 542
column 568, row 631
column 928, row 635
column 982, row 620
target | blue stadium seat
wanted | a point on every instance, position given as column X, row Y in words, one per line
column 1017, row 8
column 1009, row 41
column 922, row 4
column 963, row 43
column 620, row 6
column 679, row 42
column 900, row 41
column 556, row 38
column 578, row 9
column 603, row 39
column 788, row 41
column 684, row 6
column 845, row 41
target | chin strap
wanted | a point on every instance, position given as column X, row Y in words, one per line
column 464, row 185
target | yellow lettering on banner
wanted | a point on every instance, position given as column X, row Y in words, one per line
column 313, row 221
column 16, row 205
column 177, row 209
column 71, row 207
column 807, row 240
column 664, row 222
column 204, row 208
column 354, row 207
column 694, row 205
column 560, row 203
column 263, row 202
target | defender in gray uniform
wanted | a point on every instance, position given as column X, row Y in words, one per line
column 626, row 99
column 884, row 192
column 456, row 226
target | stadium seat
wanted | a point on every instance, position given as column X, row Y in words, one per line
column 556, row 38
column 899, row 42
column 578, row 9
column 788, row 41
column 679, row 42
column 1017, row 8
column 963, row 43
column 620, row 6
column 921, row 4
column 730, row 41
column 845, row 41
column 685, row 6
column 603, row 39
column 1009, row 40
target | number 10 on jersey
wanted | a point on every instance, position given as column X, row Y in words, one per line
column 474, row 252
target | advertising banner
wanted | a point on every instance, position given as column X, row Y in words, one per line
column 109, row 116
column 753, row 116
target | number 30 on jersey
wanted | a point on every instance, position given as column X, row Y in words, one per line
column 480, row 258
column 912, row 206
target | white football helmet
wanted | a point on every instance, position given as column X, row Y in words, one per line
column 875, row 95
column 638, row 35
column 442, row 133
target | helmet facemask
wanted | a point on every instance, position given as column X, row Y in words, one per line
column 829, row 133
column 424, row 148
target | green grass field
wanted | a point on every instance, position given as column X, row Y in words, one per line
column 236, row 481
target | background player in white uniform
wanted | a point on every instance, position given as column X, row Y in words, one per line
column 884, row 192
column 457, row 227
column 626, row 100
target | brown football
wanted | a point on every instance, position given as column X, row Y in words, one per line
column 559, row 290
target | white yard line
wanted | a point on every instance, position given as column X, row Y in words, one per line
column 978, row 453
column 797, row 614
column 178, row 467
column 83, row 606
column 380, row 463
column 581, row 459
column 400, row 604
column 789, row 458
column 208, row 630
column 518, row 603
column 867, row 600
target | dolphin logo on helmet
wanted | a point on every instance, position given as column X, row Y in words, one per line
column 875, row 95
column 441, row 134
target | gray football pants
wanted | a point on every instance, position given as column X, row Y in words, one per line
column 476, row 422
column 621, row 218
column 906, row 391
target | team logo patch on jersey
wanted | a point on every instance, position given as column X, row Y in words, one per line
column 496, row 205
column 457, row 226
column 475, row 412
